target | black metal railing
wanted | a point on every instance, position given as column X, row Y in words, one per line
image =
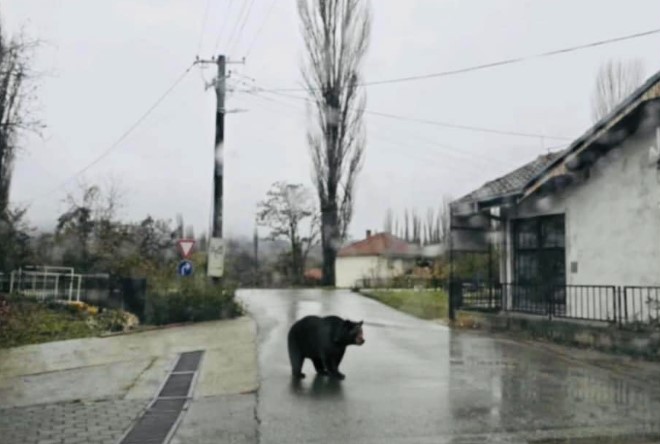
column 481, row 296
column 4, row 283
column 401, row 282
column 584, row 302
column 622, row 305
column 639, row 305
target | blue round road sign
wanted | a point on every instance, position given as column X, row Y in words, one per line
column 185, row 268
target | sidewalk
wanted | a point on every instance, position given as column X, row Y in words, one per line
column 91, row 390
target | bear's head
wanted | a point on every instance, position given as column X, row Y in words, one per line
column 350, row 333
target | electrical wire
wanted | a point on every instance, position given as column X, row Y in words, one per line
column 261, row 27
column 223, row 26
column 240, row 31
column 120, row 139
column 503, row 62
column 204, row 21
column 456, row 153
column 238, row 21
column 434, row 122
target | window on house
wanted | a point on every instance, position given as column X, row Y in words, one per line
column 539, row 251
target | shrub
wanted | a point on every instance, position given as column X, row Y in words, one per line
column 190, row 301
column 24, row 320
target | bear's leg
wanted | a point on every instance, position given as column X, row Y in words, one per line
column 297, row 359
column 318, row 365
column 340, row 356
column 333, row 367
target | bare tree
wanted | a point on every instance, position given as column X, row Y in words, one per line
column 433, row 230
column 429, row 226
column 416, row 228
column 443, row 221
column 15, row 96
column 89, row 228
column 336, row 36
column 389, row 221
column 615, row 80
column 15, row 237
column 406, row 225
column 284, row 211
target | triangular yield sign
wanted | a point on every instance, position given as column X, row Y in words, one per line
column 186, row 246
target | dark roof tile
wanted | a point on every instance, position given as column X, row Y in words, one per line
column 512, row 182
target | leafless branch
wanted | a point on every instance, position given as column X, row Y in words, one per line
column 336, row 37
column 615, row 81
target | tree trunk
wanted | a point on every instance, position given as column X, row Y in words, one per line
column 330, row 241
column 296, row 263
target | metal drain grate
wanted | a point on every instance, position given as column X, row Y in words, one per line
column 152, row 428
column 168, row 405
column 188, row 362
column 177, row 386
column 157, row 423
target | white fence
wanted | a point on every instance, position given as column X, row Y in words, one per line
column 44, row 282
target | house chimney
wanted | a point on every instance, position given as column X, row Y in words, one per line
column 368, row 234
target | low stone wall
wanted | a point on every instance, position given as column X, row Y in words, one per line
column 596, row 335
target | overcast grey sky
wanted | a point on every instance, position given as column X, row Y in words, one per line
column 107, row 61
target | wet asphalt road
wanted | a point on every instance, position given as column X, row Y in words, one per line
column 416, row 381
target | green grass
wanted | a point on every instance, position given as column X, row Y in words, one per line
column 26, row 321
column 425, row 304
column 34, row 323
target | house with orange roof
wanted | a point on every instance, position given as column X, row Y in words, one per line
column 377, row 258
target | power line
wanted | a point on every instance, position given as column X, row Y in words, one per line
column 237, row 22
column 465, row 127
column 261, row 27
column 240, row 31
column 496, row 63
column 448, row 149
column 437, row 123
column 204, row 20
column 122, row 137
column 460, row 164
column 223, row 26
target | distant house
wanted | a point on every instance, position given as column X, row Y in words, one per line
column 588, row 215
column 313, row 276
column 377, row 258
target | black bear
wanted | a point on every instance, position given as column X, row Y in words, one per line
column 324, row 341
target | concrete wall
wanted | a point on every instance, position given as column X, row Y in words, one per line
column 644, row 344
column 349, row 271
column 612, row 224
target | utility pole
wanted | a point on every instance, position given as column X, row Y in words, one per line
column 216, row 242
column 256, row 253
column 218, row 171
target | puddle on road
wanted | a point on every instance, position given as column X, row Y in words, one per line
column 621, row 439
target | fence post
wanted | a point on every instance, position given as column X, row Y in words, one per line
column 617, row 298
column 452, row 312
column 625, row 303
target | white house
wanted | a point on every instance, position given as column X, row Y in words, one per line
column 585, row 216
column 378, row 258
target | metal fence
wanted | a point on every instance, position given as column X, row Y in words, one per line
column 622, row 305
column 639, row 305
column 585, row 302
column 44, row 284
column 401, row 282
column 478, row 296
column 5, row 283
